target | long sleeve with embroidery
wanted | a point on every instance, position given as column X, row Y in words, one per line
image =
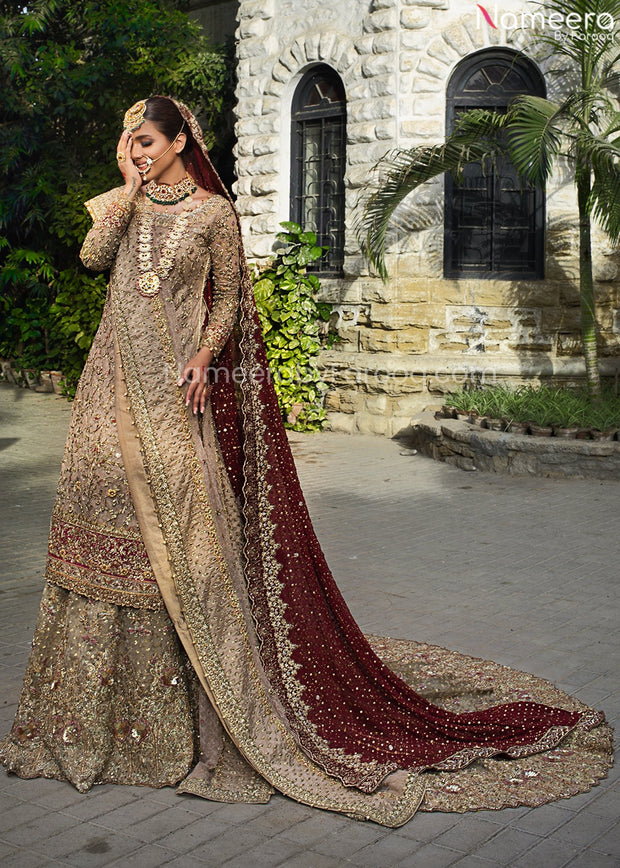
column 111, row 213
column 224, row 248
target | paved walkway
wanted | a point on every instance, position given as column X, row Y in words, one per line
column 523, row 571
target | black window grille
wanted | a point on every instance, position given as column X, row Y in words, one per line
column 494, row 222
column 318, row 154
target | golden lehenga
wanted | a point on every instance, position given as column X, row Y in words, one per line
column 190, row 633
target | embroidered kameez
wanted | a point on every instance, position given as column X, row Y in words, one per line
column 191, row 633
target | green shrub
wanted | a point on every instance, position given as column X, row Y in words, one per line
column 26, row 325
column 77, row 311
column 68, row 71
column 291, row 320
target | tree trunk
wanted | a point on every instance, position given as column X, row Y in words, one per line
column 586, row 286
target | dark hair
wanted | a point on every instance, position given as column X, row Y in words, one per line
column 168, row 120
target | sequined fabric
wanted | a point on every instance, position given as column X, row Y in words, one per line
column 191, row 525
column 95, row 545
column 136, row 721
column 460, row 683
column 348, row 711
column 108, row 696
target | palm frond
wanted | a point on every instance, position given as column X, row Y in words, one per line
column 604, row 202
column 611, row 74
column 534, row 136
column 613, row 126
column 592, row 45
column 479, row 123
column 584, row 108
column 475, row 138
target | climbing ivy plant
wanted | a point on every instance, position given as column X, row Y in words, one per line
column 291, row 321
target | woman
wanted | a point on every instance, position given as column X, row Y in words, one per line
column 190, row 630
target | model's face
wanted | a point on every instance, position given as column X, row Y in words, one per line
column 148, row 141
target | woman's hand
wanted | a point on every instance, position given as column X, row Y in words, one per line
column 196, row 374
column 128, row 169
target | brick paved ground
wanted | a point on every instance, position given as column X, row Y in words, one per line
column 523, row 571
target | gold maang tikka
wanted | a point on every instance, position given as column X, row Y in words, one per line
column 134, row 117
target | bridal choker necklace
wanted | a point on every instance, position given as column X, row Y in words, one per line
column 170, row 194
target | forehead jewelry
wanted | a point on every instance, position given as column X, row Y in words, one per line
column 134, row 117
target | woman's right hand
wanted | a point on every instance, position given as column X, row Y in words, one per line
column 128, row 169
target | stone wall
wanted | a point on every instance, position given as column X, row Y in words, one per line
column 419, row 334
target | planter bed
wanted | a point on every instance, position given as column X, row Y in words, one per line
column 44, row 381
column 473, row 448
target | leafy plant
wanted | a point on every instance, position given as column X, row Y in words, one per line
column 26, row 327
column 541, row 408
column 464, row 400
column 291, row 321
column 605, row 415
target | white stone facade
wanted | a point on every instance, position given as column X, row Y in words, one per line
column 405, row 342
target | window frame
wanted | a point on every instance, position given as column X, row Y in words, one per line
column 457, row 99
column 332, row 264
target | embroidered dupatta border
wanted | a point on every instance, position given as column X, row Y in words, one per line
column 263, row 570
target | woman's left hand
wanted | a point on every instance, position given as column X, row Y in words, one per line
column 196, row 374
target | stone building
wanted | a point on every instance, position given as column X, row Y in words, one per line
column 484, row 277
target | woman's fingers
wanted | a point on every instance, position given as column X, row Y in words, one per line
column 198, row 388
column 192, row 378
column 123, row 158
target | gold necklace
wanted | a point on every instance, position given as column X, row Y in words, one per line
column 149, row 281
column 170, row 194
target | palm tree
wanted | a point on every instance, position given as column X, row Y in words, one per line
column 583, row 129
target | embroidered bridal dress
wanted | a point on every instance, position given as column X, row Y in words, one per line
column 190, row 632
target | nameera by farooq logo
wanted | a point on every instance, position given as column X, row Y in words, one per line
column 597, row 25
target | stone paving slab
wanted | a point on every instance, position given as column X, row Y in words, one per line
column 520, row 570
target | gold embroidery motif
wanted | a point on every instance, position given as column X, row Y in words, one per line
column 226, row 270
column 129, row 722
column 112, row 212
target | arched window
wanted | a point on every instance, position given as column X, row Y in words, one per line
column 318, row 129
column 494, row 223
